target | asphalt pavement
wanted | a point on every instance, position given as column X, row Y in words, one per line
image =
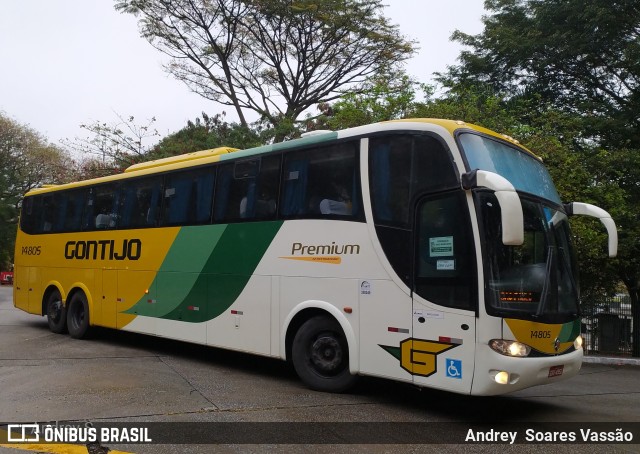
column 121, row 378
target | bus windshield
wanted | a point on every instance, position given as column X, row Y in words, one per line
column 524, row 171
column 537, row 280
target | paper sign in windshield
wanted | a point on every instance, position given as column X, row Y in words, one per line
column 441, row 246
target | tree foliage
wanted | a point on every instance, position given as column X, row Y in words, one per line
column 27, row 161
column 111, row 147
column 272, row 57
column 389, row 95
column 210, row 132
column 582, row 58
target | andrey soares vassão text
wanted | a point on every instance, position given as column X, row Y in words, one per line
column 536, row 436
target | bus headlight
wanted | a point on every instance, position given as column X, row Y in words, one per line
column 577, row 344
column 509, row 348
column 502, row 378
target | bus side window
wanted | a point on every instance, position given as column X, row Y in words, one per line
column 177, row 194
column 295, row 185
column 433, row 167
column 188, row 197
column 259, row 201
column 226, row 207
column 73, row 214
column 247, row 190
column 70, row 207
column 32, row 214
column 102, row 205
column 322, row 182
column 28, row 218
column 62, row 202
column 140, row 203
column 391, row 160
column 202, row 197
column 49, row 213
column 402, row 167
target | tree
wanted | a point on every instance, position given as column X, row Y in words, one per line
column 583, row 58
column 272, row 57
column 389, row 95
column 210, row 132
column 115, row 146
column 27, row 161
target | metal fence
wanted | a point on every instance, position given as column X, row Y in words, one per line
column 607, row 325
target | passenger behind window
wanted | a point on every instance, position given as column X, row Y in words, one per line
column 339, row 203
column 264, row 207
column 103, row 220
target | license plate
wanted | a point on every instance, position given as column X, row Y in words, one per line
column 556, row 371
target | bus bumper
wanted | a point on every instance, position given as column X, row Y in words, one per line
column 498, row 374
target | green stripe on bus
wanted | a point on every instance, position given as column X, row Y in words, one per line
column 216, row 263
column 192, row 248
column 569, row 331
column 227, row 271
column 180, row 269
column 185, row 261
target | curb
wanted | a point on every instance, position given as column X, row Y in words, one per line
column 612, row 361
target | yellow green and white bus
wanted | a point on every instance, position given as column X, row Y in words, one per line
column 433, row 252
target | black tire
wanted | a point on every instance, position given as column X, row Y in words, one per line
column 78, row 316
column 320, row 355
column 56, row 313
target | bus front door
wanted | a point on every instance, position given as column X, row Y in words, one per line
column 442, row 346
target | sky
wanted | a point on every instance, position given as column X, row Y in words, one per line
column 68, row 62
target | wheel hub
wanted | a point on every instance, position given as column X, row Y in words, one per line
column 326, row 353
column 55, row 310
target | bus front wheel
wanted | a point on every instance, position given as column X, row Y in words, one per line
column 320, row 355
column 78, row 316
column 56, row 313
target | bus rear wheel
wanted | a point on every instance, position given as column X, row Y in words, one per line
column 320, row 355
column 56, row 313
column 78, row 316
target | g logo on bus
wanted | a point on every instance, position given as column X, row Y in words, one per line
column 556, row 345
column 418, row 356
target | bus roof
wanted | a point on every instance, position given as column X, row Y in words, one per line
column 225, row 153
column 453, row 125
column 196, row 155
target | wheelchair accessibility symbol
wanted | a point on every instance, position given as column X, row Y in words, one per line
column 454, row 368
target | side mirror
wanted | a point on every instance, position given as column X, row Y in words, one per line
column 587, row 209
column 510, row 206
